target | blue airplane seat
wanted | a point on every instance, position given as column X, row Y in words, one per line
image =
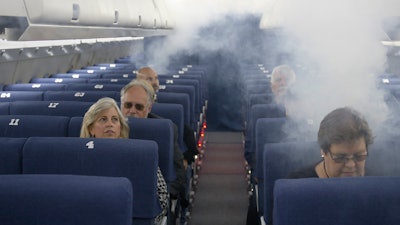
column 133, row 159
column 275, row 116
column 5, row 108
column 188, row 82
column 74, row 126
column 11, row 155
column 50, row 108
column 75, row 75
column 174, row 112
column 177, row 98
column 114, row 75
column 345, row 201
column 161, row 131
column 10, row 96
column 65, row 199
column 35, row 87
column 58, row 80
column 94, row 87
column 194, row 107
column 158, row 130
column 33, row 126
column 123, row 81
column 279, row 160
column 84, row 96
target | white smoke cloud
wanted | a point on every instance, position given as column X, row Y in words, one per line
column 336, row 42
column 190, row 16
column 341, row 42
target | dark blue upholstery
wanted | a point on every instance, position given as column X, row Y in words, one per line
column 188, row 82
column 110, row 81
column 50, row 108
column 35, row 87
column 94, row 87
column 75, row 75
column 254, row 99
column 58, row 80
column 173, row 112
column 262, row 111
column 280, row 159
column 5, row 108
column 65, row 199
column 201, row 80
column 87, row 71
column 194, row 102
column 134, row 159
column 126, row 66
column 10, row 96
column 74, row 126
column 160, row 131
column 178, row 98
column 344, row 201
column 267, row 130
column 113, row 75
column 33, row 126
column 11, row 155
column 111, row 68
column 84, row 96
column 259, row 88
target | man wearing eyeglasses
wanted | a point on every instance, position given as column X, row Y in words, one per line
column 137, row 98
column 343, row 136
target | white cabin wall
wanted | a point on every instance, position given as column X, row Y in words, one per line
column 20, row 65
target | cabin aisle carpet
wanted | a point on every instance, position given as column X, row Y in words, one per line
column 221, row 195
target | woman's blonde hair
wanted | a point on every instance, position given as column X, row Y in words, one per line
column 95, row 110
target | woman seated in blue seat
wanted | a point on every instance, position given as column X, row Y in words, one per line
column 105, row 120
column 344, row 136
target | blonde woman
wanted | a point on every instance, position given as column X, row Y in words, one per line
column 105, row 120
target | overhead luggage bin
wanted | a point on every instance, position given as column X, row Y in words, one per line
column 25, row 20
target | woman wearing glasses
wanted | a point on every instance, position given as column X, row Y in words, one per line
column 105, row 120
column 343, row 136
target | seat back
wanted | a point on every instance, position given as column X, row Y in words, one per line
column 74, row 126
column 58, row 80
column 118, row 75
column 94, row 87
column 50, row 108
column 174, row 112
column 345, row 201
column 187, row 82
column 84, row 96
column 158, row 130
column 33, row 126
column 267, row 130
column 263, row 111
column 75, row 75
column 35, row 87
column 5, row 108
column 133, row 159
column 161, row 131
column 280, row 159
column 65, row 199
column 123, row 81
column 194, row 105
column 178, row 98
column 11, row 155
column 11, row 96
